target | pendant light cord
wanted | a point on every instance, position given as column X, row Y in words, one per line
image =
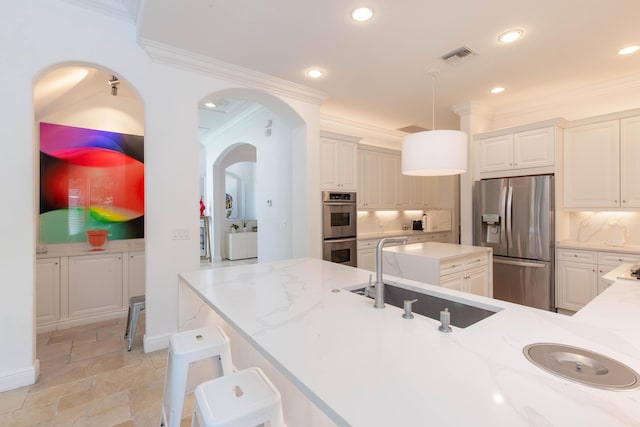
column 434, row 75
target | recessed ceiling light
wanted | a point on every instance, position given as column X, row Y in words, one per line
column 629, row 49
column 362, row 14
column 314, row 73
column 210, row 104
column 511, row 35
column 497, row 90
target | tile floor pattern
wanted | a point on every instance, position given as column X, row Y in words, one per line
column 88, row 378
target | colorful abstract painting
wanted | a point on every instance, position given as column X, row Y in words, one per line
column 90, row 179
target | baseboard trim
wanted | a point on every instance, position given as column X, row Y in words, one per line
column 155, row 343
column 10, row 380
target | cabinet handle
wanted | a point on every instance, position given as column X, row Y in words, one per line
column 615, row 201
column 624, row 201
column 55, row 263
column 575, row 255
column 594, row 270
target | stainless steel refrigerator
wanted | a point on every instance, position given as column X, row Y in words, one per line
column 514, row 216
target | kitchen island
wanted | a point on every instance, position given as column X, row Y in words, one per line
column 359, row 366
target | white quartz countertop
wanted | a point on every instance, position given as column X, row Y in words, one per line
column 368, row 367
column 436, row 250
column 397, row 233
column 603, row 247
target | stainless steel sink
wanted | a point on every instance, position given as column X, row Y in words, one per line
column 582, row 366
column 462, row 315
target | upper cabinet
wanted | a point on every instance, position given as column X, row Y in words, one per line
column 338, row 162
column 599, row 165
column 513, row 152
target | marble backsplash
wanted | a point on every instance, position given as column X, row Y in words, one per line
column 611, row 228
column 385, row 221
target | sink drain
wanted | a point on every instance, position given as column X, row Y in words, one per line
column 582, row 366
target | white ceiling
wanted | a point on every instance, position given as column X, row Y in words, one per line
column 377, row 72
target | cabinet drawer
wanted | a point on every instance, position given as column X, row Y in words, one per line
column 573, row 255
column 617, row 258
column 462, row 263
column 366, row 244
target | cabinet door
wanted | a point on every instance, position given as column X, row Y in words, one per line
column 95, row 284
column 348, row 166
column 476, row 282
column 387, row 181
column 329, row 157
column 453, row 281
column 369, row 174
column 534, row 148
column 47, row 290
column 603, row 284
column 495, row 154
column 136, row 274
column 430, row 191
column 366, row 259
column 629, row 156
column 403, row 187
column 592, row 166
column 577, row 285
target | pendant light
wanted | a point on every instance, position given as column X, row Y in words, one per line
column 434, row 152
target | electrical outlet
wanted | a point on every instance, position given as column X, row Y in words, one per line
column 180, row 234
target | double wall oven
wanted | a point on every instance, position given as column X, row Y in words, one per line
column 339, row 221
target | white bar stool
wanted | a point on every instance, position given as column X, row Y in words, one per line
column 244, row 399
column 185, row 348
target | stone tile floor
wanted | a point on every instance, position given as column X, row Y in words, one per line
column 88, row 378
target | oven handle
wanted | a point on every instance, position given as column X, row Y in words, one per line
column 348, row 239
column 338, row 203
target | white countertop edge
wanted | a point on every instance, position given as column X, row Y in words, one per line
column 602, row 247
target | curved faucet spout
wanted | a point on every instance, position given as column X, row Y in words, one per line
column 379, row 302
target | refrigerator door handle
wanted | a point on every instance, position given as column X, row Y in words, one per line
column 509, row 216
column 518, row 263
column 503, row 203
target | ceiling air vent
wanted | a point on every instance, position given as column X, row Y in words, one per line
column 457, row 55
column 412, row 129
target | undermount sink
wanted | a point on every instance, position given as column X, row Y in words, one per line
column 462, row 315
column 582, row 366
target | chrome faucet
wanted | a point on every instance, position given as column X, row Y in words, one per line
column 379, row 286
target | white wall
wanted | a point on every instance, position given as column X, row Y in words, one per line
column 37, row 35
column 274, row 174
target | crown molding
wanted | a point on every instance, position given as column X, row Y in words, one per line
column 173, row 56
column 125, row 10
column 358, row 129
column 588, row 94
column 472, row 108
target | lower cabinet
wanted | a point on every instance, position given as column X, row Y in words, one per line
column 47, row 290
column 579, row 277
column 74, row 290
column 474, row 281
column 241, row 245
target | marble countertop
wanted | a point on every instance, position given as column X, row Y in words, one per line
column 397, row 233
column 436, row 250
column 603, row 247
column 368, row 367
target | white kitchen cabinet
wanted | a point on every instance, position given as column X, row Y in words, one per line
column 629, row 155
column 338, row 162
column 465, row 268
column 515, row 151
column 241, row 245
column 580, row 272
column 591, row 165
column 387, row 181
column 368, row 177
column 136, row 273
column 404, row 187
column 95, row 284
column 47, row 290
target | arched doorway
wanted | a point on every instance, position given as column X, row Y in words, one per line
column 278, row 134
column 91, row 177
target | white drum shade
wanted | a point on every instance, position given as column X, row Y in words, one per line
column 434, row 153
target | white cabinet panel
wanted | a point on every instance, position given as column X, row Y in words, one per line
column 242, row 245
column 369, row 174
column 338, row 164
column 629, row 156
column 95, row 284
column 387, row 181
column 47, row 290
column 136, row 274
column 534, row 148
column 577, row 285
column 496, row 153
column 592, row 166
column 404, row 187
